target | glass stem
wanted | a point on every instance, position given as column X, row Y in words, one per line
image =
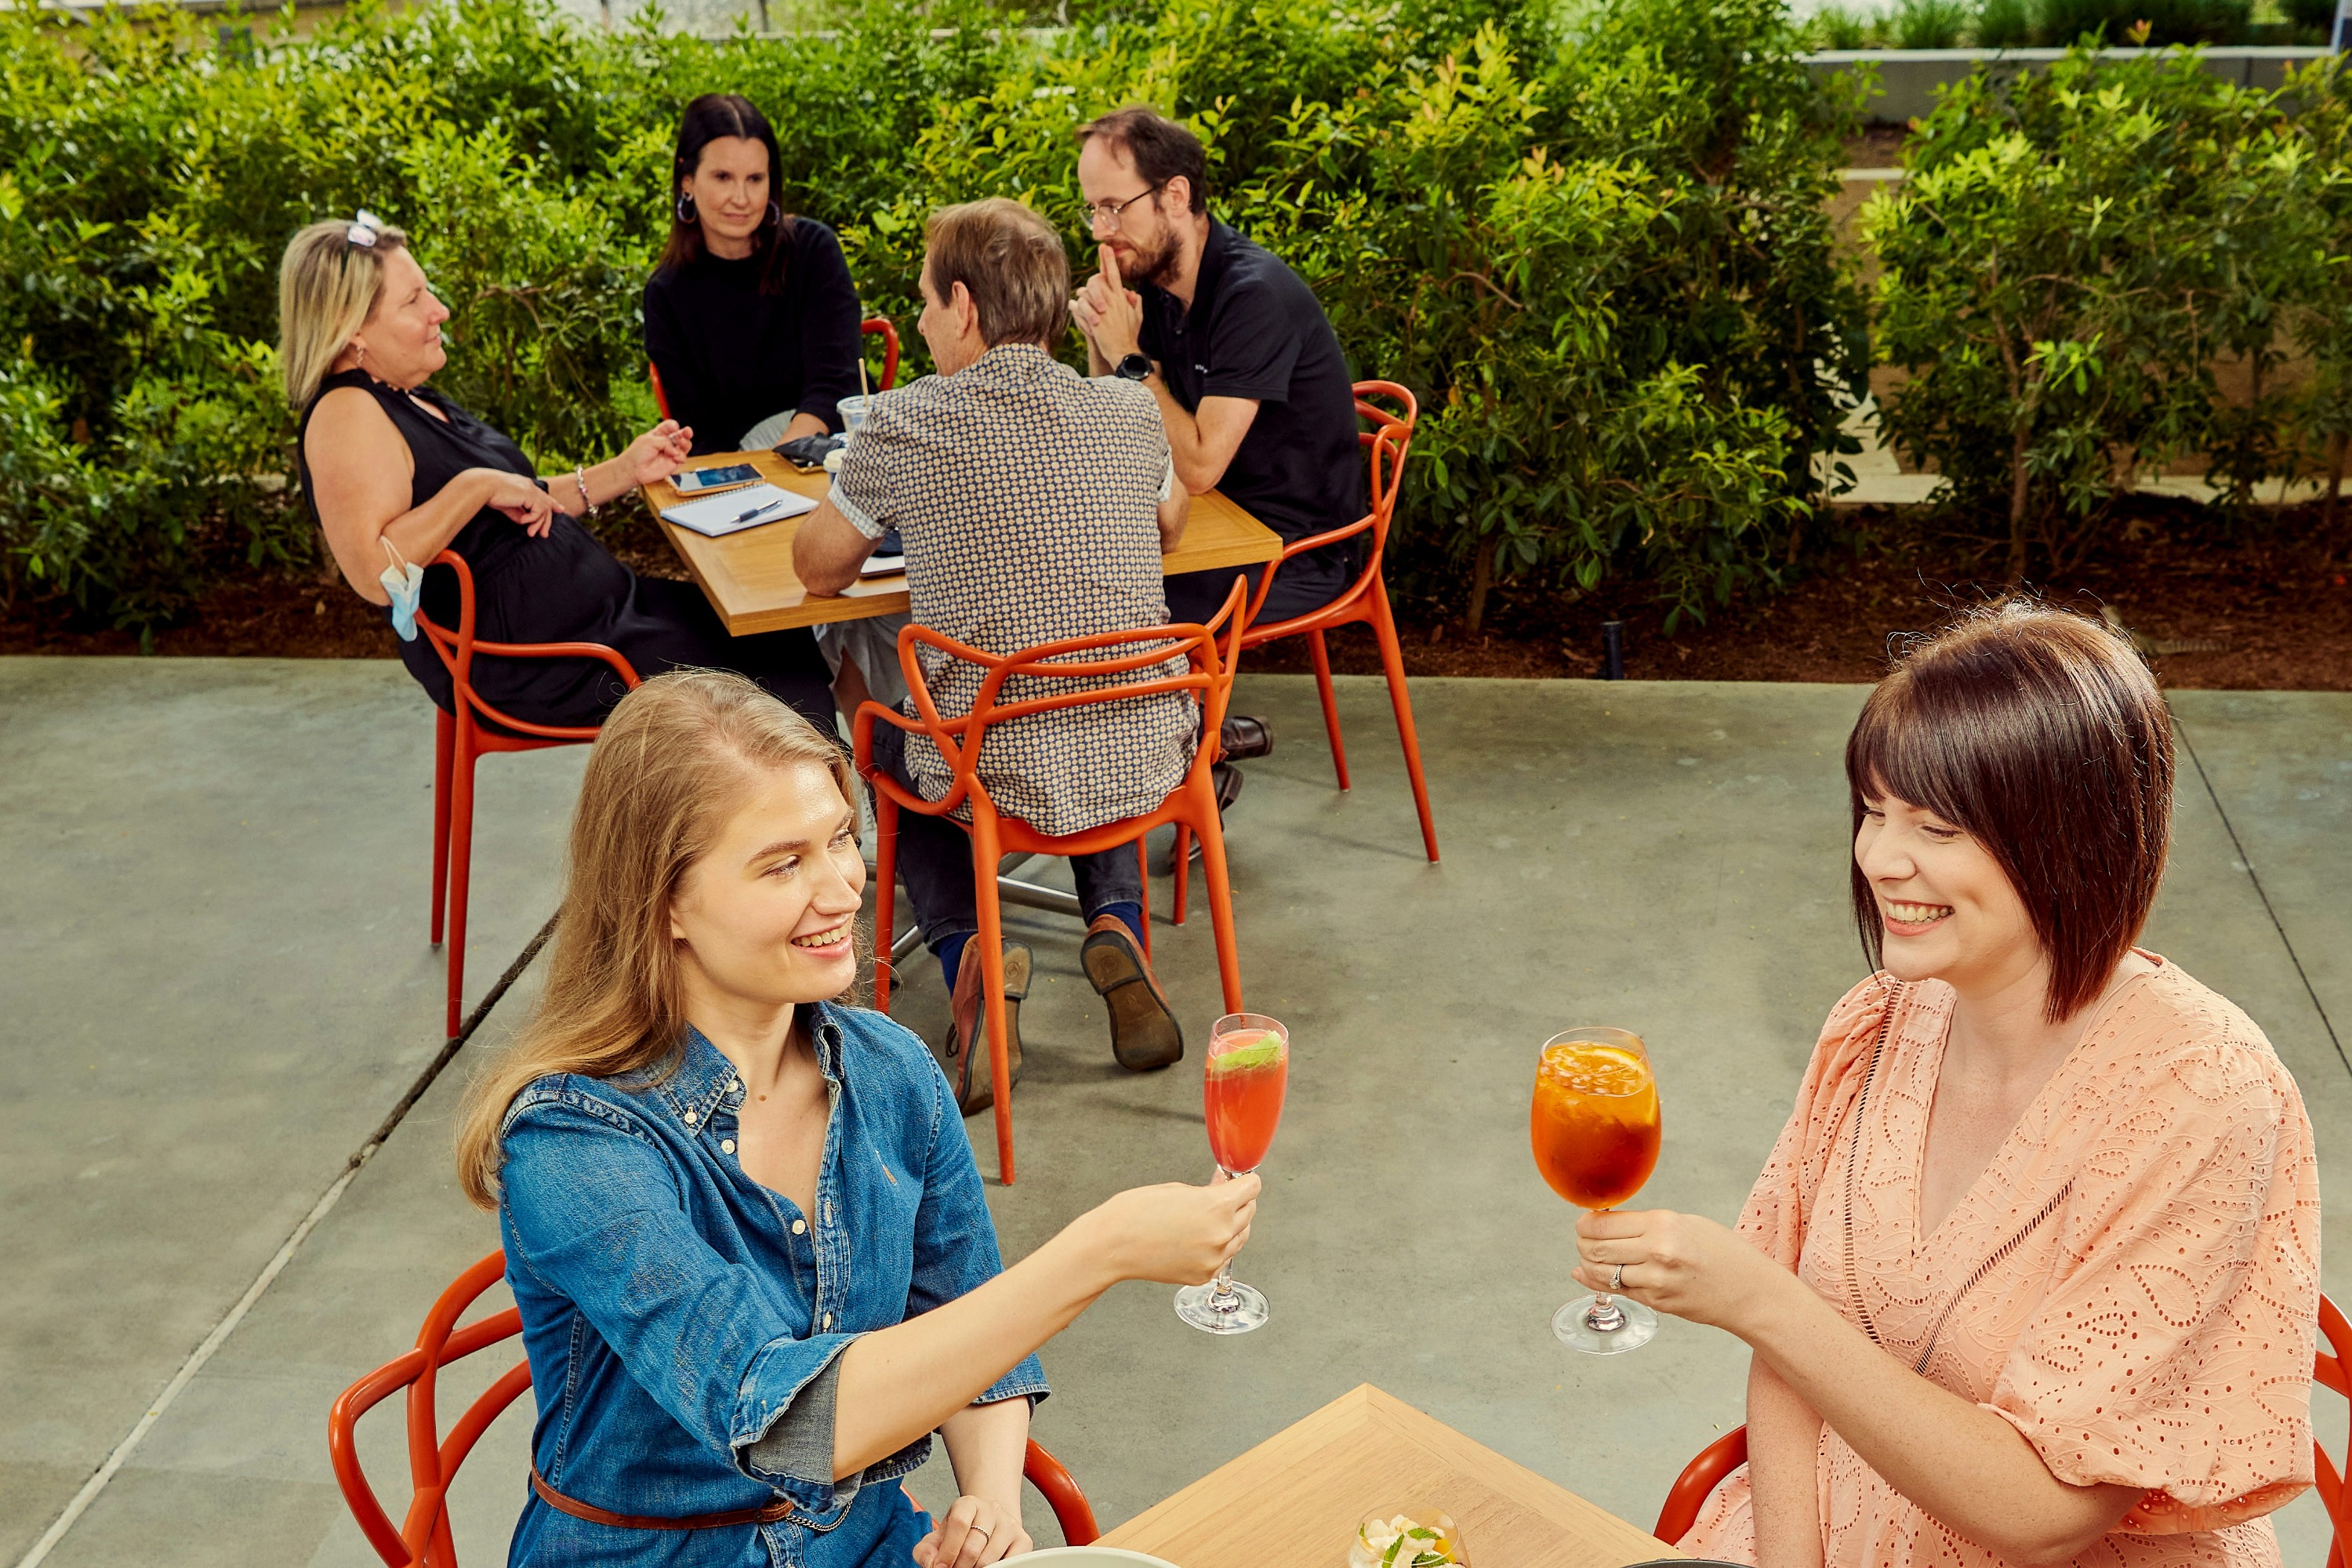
column 1604, row 1318
column 1222, row 1297
column 1221, row 1291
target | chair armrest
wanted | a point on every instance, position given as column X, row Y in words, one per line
column 611, row 656
column 861, row 733
column 1300, row 547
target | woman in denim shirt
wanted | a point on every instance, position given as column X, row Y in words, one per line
column 742, row 1221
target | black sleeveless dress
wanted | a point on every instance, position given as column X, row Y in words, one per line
column 566, row 587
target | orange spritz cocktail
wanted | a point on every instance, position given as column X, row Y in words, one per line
column 1593, row 1124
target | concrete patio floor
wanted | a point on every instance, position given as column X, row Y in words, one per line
column 214, row 985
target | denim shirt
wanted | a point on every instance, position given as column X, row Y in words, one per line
column 683, row 1321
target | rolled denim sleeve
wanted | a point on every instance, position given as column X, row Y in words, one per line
column 955, row 1239
column 593, row 1210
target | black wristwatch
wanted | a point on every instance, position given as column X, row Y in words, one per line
column 1134, row 367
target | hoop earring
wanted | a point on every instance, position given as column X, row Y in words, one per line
column 686, row 212
column 776, row 214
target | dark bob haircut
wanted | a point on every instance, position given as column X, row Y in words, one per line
column 1160, row 149
column 707, row 120
column 2044, row 737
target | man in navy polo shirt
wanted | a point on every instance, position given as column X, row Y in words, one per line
column 1251, row 384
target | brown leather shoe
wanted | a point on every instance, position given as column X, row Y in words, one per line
column 967, row 1070
column 1143, row 1029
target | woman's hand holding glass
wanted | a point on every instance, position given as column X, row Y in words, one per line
column 1679, row 1263
column 1174, row 1233
column 973, row 1532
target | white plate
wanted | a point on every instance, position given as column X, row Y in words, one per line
column 1103, row 1556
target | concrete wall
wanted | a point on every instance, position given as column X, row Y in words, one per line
column 1907, row 78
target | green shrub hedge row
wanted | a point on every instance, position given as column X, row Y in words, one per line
column 2076, row 261
column 1596, row 249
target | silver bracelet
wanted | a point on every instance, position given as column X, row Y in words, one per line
column 580, row 481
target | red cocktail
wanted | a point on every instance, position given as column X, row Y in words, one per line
column 1241, row 1092
column 1248, row 1070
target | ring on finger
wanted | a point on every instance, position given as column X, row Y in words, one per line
column 1617, row 1278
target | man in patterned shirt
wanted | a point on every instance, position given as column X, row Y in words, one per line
column 1035, row 505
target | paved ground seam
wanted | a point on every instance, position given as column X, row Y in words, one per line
column 285, row 1254
column 2239, row 848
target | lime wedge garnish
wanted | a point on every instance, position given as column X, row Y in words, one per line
column 1266, row 1053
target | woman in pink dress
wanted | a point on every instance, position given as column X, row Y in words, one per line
column 2033, row 1274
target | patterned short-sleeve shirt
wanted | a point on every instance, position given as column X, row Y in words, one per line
column 1028, row 498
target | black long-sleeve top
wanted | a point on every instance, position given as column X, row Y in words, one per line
column 729, row 356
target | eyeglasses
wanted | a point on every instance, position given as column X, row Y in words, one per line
column 364, row 229
column 1105, row 216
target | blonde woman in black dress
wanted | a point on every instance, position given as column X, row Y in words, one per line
column 396, row 473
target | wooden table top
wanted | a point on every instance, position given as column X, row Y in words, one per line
column 749, row 579
column 1295, row 1501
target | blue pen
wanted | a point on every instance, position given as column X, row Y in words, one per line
column 748, row 516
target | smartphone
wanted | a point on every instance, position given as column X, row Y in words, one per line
column 695, row 481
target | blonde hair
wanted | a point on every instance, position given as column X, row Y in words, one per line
column 672, row 761
column 1010, row 261
column 326, row 287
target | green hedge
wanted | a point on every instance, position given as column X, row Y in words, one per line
column 2077, row 257
column 1597, row 248
column 1597, row 252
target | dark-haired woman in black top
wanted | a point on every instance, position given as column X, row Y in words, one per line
column 396, row 473
column 750, row 318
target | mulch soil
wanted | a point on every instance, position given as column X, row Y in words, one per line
column 2259, row 604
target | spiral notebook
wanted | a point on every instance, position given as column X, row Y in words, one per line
column 731, row 512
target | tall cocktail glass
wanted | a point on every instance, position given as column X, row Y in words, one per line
column 1247, row 1073
column 1594, row 1127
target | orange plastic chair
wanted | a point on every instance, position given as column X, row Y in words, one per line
column 461, row 738
column 873, row 327
column 1192, row 806
column 422, row 1538
column 1728, row 1452
column 880, row 327
column 2332, row 1371
column 1385, row 447
column 1699, row 1478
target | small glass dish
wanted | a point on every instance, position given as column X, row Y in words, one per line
column 1408, row 1537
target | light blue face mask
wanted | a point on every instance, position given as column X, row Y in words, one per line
column 404, row 581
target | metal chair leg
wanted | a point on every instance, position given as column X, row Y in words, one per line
column 991, row 939
column 1220, row 908
column 461, row 865
column 444, row 741
column 1393, row 660
column 1183, row 869
column 1330, row 704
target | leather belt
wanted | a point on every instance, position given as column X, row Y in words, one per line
column 774, row 1513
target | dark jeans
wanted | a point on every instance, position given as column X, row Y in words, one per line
column 935, row 862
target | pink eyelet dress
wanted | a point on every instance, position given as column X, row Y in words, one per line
column 2134, row 1281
